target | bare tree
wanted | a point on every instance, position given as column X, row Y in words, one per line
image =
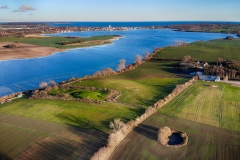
column 121, row 65
column 116, row 125
column 138, row 59
column 52, row 83
column 177, row 43
column 43, row 85
column 163, row 135
column 147, row 54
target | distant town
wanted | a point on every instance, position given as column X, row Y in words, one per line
column 22, row 29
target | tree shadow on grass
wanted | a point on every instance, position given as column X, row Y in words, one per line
column 161, row 93
column 147, row 131
column 72, row 120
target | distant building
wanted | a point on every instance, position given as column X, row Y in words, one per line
column 209, row 78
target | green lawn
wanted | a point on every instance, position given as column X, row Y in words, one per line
column 206, row 51
column 53, row 41
column 216, row 106
column 83, row 115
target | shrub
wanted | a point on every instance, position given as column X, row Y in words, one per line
column 116, row 125
column 43, row 85
column 121, row 65
column 163, row 135
column 138, row 59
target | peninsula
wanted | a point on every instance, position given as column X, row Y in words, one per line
column 14, row 47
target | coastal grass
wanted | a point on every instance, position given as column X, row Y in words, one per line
column 205, row 50
column 55, row 41
column 217, row 106
column 205, row 141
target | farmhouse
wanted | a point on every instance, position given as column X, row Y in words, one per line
column 209, row 78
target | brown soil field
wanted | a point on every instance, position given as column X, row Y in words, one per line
column 205, row 142
column 25, row 138
column 25, row 51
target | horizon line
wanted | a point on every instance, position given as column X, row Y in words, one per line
column 125, row 21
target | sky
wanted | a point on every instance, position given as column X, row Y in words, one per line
column 119, row 10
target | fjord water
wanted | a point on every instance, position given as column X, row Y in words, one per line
column 24, row 74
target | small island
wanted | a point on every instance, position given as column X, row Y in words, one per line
column 14, row 47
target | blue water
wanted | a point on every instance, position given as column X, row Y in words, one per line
column 24, row 74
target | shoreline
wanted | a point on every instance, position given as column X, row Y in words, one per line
column 25, row 51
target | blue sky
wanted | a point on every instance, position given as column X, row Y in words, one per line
column 119, row 10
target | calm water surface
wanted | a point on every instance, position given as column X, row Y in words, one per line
column 23, row 74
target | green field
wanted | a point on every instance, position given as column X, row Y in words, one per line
column 205, row 142
column 207, row 51
column 139, row 89
column 54, row 41
column 216, row 106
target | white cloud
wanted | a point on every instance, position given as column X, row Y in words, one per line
column 24, row 8
column 4, row 7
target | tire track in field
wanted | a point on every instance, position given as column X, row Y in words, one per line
column 179, row 101
column 221, row 109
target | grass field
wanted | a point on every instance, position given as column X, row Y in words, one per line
column 54, row 41
column 74, row 113
column 142, row 86
column 217, row 106
column 205, row 142
column 139, row 88
column 207, row 51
